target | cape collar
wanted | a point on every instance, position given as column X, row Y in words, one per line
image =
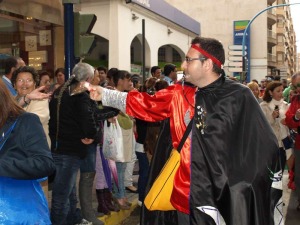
column 214, row 85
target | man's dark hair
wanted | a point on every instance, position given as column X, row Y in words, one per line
column 112, row 73
column 117, row 75
column 135, row 78
column 10, row 63
column 214, row 48
column 102, row 68
column 277, row 78
column 168, row 68
column 153, row 69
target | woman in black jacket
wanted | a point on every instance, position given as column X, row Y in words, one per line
column 71, row 128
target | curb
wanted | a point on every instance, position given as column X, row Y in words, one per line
column 116, row 218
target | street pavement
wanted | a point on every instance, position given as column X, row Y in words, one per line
column 291, row 215
column 132, row 216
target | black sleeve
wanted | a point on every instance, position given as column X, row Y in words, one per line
column 105, row 113
column 141, row 129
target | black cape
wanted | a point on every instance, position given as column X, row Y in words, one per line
column 234, row 159
column 161, row 154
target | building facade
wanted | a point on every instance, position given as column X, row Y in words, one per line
column 119, row 29
column 269, row 31
column 33, row 29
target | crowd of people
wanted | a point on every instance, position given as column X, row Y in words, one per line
column 236, row 127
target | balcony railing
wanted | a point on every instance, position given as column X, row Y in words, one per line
column 271, row 57
column 272, row 37
column 271, row 16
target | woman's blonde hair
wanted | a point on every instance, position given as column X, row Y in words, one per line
column 253, row 85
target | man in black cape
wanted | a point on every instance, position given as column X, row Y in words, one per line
column 235, row 171
column 161, row 154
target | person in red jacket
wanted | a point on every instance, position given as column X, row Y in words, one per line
column 293, row 121
column 175, row 102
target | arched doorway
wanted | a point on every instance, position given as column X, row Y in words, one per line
column 170, row 54
column 136, row 55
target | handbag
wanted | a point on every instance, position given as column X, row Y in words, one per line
column 113, row 142
column 287, row 142
column 158, row 197
column 21, row 201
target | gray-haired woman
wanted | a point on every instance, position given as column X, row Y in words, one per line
column 71, row 129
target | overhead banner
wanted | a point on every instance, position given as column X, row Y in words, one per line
column 166, row 10
column 239, row 27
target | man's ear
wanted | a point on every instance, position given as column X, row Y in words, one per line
column 208, row 63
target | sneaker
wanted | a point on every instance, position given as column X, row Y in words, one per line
column 84, row 222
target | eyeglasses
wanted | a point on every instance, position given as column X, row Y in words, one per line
column 28, row 81
column 188, row 59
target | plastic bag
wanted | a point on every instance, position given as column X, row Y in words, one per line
column 113, row 142
column 22, row 202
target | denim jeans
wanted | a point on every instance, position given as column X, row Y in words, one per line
column 64, row 198
column 143, row 173
column 120, row 192
column 88, row 164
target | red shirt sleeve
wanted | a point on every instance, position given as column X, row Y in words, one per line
column 290, row 114
column 150, row 108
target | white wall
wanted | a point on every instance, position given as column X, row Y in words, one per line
column 114, row 22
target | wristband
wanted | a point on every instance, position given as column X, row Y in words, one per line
column 24, row 99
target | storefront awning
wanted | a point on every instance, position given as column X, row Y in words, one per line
column 45, row 10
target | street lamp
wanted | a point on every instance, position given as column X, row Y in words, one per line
column 248, row 26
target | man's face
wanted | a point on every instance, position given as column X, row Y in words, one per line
column 102, row 75
column 173, row 75
column 296, row 81
column 157, row 73
column 193, row 69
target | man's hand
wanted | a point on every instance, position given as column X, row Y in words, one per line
column 37, row 94
column 87, row 141
column 112, row 120
column 96, row 93
column 297, row 116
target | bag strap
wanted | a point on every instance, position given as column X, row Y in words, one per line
column 5, row 136
column 185, row 135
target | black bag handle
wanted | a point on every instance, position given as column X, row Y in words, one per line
column 185, row 135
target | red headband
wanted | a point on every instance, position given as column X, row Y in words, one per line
column 207, row 55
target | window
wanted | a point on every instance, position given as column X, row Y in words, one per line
column 176, row 56
column 161, row 54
